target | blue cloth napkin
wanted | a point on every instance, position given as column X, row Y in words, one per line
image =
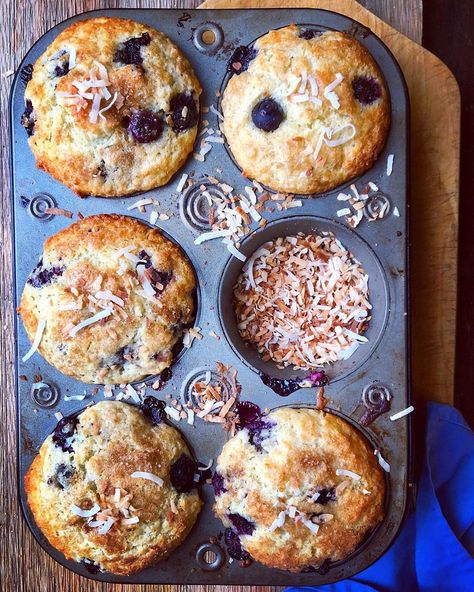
column 433, row 550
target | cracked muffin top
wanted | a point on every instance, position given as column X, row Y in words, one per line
column 109, row 300
column 111, row 489
column 297, row 488
column 305, row 111
column 112, row 108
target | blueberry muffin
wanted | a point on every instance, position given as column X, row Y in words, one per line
column 304, row 111
column 109, row 300
column 113, row 489
column 112, row 108
column 297, row 488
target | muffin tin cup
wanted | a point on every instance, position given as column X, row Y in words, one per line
column 378, row 295
column 376, row 373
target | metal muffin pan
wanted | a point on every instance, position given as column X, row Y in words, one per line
column 382, row 366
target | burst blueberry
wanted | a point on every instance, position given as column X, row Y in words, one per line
column 130, row 51
column 250, row 418
column 366, row 89
column 218, row 484
column 64, row 431
column 154, row 275
column 26, row 73
column 184, row 112
column 309, row 34
column 326, row 495
column 241, row 525
column 91, row 567
column 234, row 546
column 28, row 118
column 61, row 69
column 42, row 276
column 145, row 127
column 267, row 115
column 154, row 409
column 240, row 59
column 64, row 474
column 182, row 474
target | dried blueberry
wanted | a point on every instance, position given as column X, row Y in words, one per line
column 267, row 115
column 28, row 118
column 309, row 34
column 218, row 484
column 154, row 409
column 234, row 546
column 366, row 89
column 145, row 126
column 130, row 51
column 241, row 58
column 184, row 113
column 26, row 73
column 326, row 495
column 182, row 474
column 41, row 276
column 63, row 431
column 240, row 524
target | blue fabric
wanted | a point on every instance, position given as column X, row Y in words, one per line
column 433, row 550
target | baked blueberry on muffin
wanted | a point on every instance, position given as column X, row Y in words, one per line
column 112, row 107
column 104, row 492
column 109, row 300
column 303, row 111
column 297, row 488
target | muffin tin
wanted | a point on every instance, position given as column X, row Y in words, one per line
column 377, row 371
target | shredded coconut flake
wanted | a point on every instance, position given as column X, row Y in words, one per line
column 310, row 525
column 141, row 202
column 182, row 183
column 148, row 476
column 90, row 321
column 36, row 341
column 390, row 164
column 106, row 526
column 216, row 112
column 85, row 513
column 330, row 95
column 278, row 522
column 347, row 473
column 382, row 462
column 211, row 236
column 402, row 413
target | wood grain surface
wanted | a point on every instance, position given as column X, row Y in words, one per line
column 24, row 567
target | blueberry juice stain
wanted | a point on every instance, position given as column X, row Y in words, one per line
column 285, row 386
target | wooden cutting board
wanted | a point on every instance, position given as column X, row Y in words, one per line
column 435, row 140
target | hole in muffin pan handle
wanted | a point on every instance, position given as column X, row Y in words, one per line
column 208, row 38
column 38, row 205
column 210, row 557
column 44, row 394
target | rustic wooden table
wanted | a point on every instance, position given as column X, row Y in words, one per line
column 24, row 567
